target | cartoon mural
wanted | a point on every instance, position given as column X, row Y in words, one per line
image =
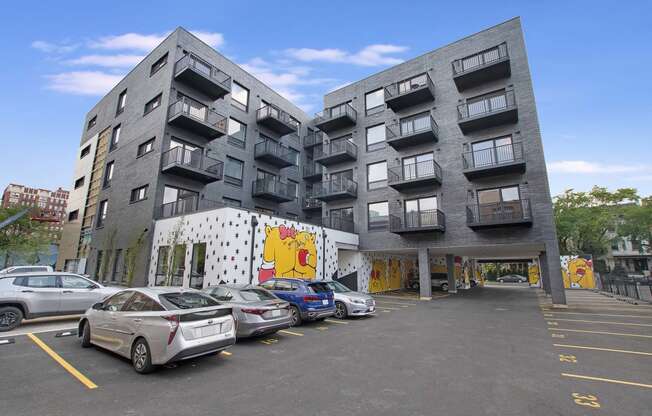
column 533, row 274
column 394, row 282
column 378, row 277
column 288, row 253
column 577, row 272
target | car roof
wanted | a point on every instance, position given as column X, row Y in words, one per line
column 236, row 286
column 42, row 272
column 162, row 290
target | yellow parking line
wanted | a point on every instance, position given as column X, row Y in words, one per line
column 608, row 380
column 63, row 363
column 585, row 347
column 228, row 354
column 598, row 322
column 601, row 332
column 321, row 328
column 386, row 311
column 601, row 314
column 336, row 322
column 285, row 331
column 595, row 305
column 609, row 309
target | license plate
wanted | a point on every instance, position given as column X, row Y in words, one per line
column 324, row 302
column 207, row 331
column 276, row 313
column 370, row 309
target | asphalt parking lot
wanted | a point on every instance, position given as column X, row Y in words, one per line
column 486, row 351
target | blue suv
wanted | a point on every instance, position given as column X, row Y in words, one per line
column 309, row 300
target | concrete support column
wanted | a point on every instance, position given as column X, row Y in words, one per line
column 450, row 270
column 543, row 271
column 553, row 269
column 425, row 285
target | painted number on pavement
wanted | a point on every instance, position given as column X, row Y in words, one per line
column 587, row 400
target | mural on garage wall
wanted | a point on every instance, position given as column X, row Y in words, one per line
column 379, row 272
column 288, row 253
column 577, row 272
column 533, row 273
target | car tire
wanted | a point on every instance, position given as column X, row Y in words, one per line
column 295, row 316
column 444, row 287
column 340, row 310
column 501, row 281
column 415, row 285
column 10, row 318
column 141, row 357
column 86, row 335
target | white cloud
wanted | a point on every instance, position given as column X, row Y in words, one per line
column 372, row 55
column 108, row 61
column 213, row 39
column 585, row 167
column 83, row 82
column 49, row 47
column 147, row 42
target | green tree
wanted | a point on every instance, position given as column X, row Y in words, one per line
column 586, row 221
column 23, row 237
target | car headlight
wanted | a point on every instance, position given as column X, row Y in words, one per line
column 358, row 301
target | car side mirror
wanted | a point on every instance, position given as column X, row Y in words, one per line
column 94, row 287
column 99, row 306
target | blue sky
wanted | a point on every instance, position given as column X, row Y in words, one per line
column 590, row 64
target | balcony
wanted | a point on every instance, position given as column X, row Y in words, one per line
column 485, row 66
column 273, row 153
column 414, row 175
column 337, row 151
column 335, row 118
column 417, row 222
column 338, row 223
column 409, row 92
column 194, row 116
column 499, row 214
column 336, row 189
column 202, row 76
column 191, row 164
column 276, row 120
column 492, row 161
column 412, row 131
column 309, row 203
column 314, row 138
column 273, row 189
column 312, row 172
column 187, row 205
column 488, row 111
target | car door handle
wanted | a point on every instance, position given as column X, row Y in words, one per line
column 27, row 291
column 138, row 320
column 67, row 291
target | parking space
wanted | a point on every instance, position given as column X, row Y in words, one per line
column 453, row 355
column 604, row 350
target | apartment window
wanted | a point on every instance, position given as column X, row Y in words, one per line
column 292, row 215
column 139, row 194
column 498, row 195
column 237, row 133
column 73, row 215
column 341, row 219
column 160, row 63
column 162, row 264
column 231, row 202
column 378, row 216
column 264, row 210
column 197, row 265
column 421, row 212
column 374, row 101
column 79, row 183
column 152, row 104
column 377, row 175
column 85, row 152
column 115, row 137
column 145, row 148
column 178, row 201
column 239, row 96
column 108, row 174
column 486, row 103
column 122, row 102
column 418, row 166
column 233, row 171
column 293, row 187
column 492, row 152
column 293, row 155
column 92, row 122
column 101, row 213
column 375, row 137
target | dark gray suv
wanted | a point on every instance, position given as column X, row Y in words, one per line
column 38, row 294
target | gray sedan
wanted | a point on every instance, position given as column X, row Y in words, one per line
column 158, row 325
column 257, row 310
column 351, row 303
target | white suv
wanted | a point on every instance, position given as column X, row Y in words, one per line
column 25, row 269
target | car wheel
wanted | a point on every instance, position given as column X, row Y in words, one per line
column 86, row 335
column 295, row 316
column 340, row 310
column 501, row 281
column 141, row 357
column 444, row 287
column 415, row 285
column 10, row 318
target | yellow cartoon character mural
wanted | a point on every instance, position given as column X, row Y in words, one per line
column 394, row 282
column 288, row 253
column 577, row 272
column 533, row 273
column 378, row 278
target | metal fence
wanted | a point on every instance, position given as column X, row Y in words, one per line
column 640, row 289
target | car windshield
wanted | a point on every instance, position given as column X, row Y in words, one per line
column 338, row 287
column 319, row 287
column 253, row 295
column 187, row 300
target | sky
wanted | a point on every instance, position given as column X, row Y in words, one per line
column 591, row 65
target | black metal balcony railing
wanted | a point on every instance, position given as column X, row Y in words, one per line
column 428, row 169
column 194, row 159
column 480, row 59
column 274, row 153
column 423, row 220
column 277, row 119
column 486, row 106
column 412, row 131
column 220, row 80
column 309, row 203
column 336, row 151
column 339, row 223
column 273, row 188
column 210, row 122
column 313, row 139
column 493, row 156
column 506, row 212
column 409, row 92
column 336, row 188
column 337, row 117
column 408, row 85
column 186, row 205
column 313, row 170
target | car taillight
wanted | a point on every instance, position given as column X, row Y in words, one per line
column 254, row 311
column 311, row 298
column 173, row 320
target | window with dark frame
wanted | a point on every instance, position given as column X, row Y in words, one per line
column 377, row 216
column 145, row 147
column 115, row 137
column 79, row 182
column 374, row 101
column 152, row 104
column 101, row 213
column 108, row 174
column 375, row 137
column 73, row 215
column 237, row 133
column 239, row 96
column 160, row 63
column 92, row 122
column 85, row 152
column 139, row 193
column 377, row 175
column 122, row 102
column 233, row 171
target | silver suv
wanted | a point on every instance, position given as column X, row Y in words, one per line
column 34, row 295
column 25, row 269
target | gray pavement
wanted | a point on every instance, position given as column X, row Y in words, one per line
column 486, row 351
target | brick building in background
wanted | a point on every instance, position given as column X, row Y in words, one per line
column 45, row 205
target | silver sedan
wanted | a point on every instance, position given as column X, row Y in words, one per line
column 257, row 310
column 351, row 303
column 155, row 326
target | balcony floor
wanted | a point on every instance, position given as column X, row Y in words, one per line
column 500, row 223
column 496, row 70
column 200, row 175
column 336, row 196
column 272, row 196
column 336, row 123
column 334, row 158
column 494, row 170
column 413, row 139
column 410, row 99
column 415, row 183
column 194, row 125
column 277, row 125
column 201, row 82
column 486, row 120
column 274, row 160
column 418, row 230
